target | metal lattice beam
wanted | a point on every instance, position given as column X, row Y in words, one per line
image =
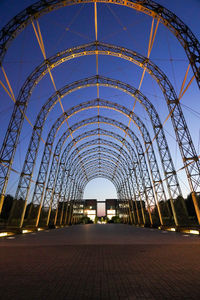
column 180, row 30
column 185, row 143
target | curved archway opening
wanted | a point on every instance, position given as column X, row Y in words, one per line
column 100, row 189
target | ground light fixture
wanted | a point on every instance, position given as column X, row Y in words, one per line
column 40, row 229
column 26, row 230
column 3, row 234
column 171, row 229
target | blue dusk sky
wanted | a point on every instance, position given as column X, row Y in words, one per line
column 73, row 26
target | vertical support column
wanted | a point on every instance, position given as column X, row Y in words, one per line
column 130, row 208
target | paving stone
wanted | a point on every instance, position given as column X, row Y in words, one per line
column 100, row 262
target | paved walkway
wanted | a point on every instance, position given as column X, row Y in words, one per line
column 100, row 262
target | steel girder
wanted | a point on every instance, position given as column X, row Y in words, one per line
column 85, row 157
column 96, row 132
column 105, row 175
column 91, row 176
column 56, row 174
column 121, row 126
column 106, row 151
column 80, row 178
column 53, row 169
column 128, row 157
column 53, row 185
column 94, row 163
column 133, row 183
column 96, row 102
column 183, row 136
column 131, row 194
column 75, row 162
column 29, row 163
column 39, row 186
column 172, row 181
column 124, row 192
column 97, row 151
column 166, row 17
column 27, row 171
column 83, row 181
column 168, row 167
column 91, row 167
column 106, row 168
column 62, row 182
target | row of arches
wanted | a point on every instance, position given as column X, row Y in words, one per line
column 134, row 169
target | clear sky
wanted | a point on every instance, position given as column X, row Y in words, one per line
column 72, row 26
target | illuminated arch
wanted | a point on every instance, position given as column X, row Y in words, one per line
column 169, row 170
column 181, row 31
column 178, row 121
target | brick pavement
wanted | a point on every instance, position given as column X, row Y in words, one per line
column 100, row 262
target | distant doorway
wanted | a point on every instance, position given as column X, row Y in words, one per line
column 100, row 189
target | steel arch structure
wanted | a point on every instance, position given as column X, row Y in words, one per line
column 54, row 166
column 132, row 174
column 136, row 120
column 173, row 186
column 127, row 155
column 181, row 31
column 168, row 167
column 39, row 186
column 108, row 166
column 136, row 183
column 187, row 149
column 128, row 196
column 61, row 185
column 183, row 136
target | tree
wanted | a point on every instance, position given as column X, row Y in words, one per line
column 190, row 205
column 8, row 201
column 96, row 220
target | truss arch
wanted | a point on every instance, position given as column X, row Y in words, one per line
column 174, row 189
column 60, row 181
column 131, row 175
column 148, row 107
column 181, row 31
column 39, row 197
column 128, row 194
column 97, row 151
column 107, row 168
column 94, row 120
column 178, row 120
column 59, row 216
column 56, row 158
